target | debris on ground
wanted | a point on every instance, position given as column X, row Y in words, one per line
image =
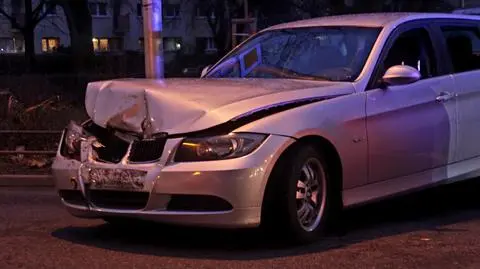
column 32, row 161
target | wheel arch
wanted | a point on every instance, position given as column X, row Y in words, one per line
column 332, row 159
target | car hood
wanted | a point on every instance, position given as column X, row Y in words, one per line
column 186, row 105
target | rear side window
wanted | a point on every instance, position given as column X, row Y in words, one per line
column 463, row 44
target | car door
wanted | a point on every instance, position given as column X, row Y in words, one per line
column 462, row 39
column 411, row 127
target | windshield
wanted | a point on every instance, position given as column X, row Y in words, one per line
column 323, row 53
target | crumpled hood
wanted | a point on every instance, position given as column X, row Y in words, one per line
column 185, row 105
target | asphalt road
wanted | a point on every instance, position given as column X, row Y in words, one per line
column 434, row 229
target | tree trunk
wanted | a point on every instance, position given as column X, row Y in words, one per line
column 29, row 37
column 80, row 26
column 117, row 7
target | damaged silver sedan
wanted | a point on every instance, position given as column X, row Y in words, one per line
column 300, row 121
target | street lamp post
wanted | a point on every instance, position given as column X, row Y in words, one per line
column 152, row 33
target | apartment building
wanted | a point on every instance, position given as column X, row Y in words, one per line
column 185, row 28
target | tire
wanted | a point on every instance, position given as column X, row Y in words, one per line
column 294, row 205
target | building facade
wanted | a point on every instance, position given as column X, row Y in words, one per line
column 185, row 28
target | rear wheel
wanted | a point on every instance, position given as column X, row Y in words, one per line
column 300, row 197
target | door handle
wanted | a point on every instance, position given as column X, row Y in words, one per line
column 444, row 96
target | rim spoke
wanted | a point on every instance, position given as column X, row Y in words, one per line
column 301, row 184
column 303, row 212
column 314, row 198
column 308, row 173
column 301, row 195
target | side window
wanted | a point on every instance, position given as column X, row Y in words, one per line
column 463, row 43
column 413, row 48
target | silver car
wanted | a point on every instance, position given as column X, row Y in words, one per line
column 295, row 124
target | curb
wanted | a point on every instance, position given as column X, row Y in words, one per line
column 26, row 181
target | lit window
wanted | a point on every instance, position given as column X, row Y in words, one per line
column 98, row 9
column 95, row 44
column 103, row 45
column 44, row 45
column 106, row 44
column 50, row 44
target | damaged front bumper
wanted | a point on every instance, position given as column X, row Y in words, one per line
column 225, row 193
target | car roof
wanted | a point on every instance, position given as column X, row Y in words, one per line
column 370, row 19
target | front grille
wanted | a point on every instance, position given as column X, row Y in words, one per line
column 73, row 197
column 147, row 150
column 118, row 199
column 201, row 203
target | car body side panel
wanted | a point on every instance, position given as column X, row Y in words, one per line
column 451, row 173
column 340, row 120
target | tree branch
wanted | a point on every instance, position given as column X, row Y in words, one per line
column 11, row 19
column 38, row 18
column 38, row 9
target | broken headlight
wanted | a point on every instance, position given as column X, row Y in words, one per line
column 72, row 139
column 223, row 147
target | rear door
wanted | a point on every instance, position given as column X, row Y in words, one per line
column 462, row 42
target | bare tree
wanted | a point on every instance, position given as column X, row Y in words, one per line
column 78, row 18
column 218, row 14
column 79, row 22
column 33, row 15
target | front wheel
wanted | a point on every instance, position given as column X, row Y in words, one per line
column 299, row 197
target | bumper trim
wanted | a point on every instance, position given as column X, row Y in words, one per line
column 235, row 218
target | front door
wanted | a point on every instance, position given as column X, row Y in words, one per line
column 411, row 128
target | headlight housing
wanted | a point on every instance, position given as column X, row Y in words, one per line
column 72, row 139
column 222, row 147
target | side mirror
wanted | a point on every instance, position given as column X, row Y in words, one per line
column 401, row 75
column 205, row 70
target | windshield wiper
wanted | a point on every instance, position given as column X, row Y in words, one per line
column 294, row 74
